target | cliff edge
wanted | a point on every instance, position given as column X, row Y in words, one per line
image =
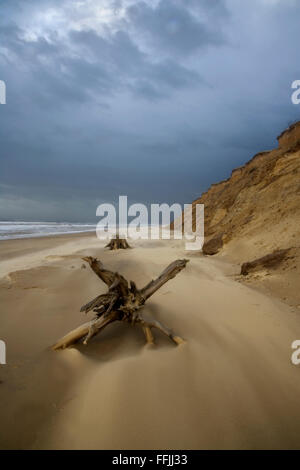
column 256, row 213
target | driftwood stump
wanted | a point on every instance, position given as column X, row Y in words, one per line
column 117, row 243
column 122, row 302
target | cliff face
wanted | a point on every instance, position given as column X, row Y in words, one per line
column 257, row 209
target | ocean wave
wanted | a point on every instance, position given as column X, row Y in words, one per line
column 20, row 229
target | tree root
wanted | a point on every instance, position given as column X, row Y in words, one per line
column 122, row 302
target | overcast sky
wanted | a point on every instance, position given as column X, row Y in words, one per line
column 151, row 99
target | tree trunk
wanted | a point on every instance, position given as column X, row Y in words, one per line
column 117, row 243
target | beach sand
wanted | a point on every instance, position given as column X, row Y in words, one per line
column 231, row 385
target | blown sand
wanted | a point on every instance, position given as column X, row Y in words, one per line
column 232, row 385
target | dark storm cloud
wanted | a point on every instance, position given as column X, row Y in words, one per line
column 100, row 66
column 128, row 67
column 172, row 28
column 153, row 99
column 218, row 8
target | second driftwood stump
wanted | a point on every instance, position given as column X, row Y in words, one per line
column 121, row 302
column 117, row 243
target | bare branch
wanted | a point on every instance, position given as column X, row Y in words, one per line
column 90, row 328
column 169, row 273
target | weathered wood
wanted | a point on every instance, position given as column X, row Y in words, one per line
column 148, row 334
column 117, row 243
column 85, row 331
column 269, row 261
column 171, row 271
column 106, row 276
column 121, row 302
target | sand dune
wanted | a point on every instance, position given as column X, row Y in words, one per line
column 232, row 385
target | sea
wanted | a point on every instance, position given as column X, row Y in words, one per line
column 11, row 230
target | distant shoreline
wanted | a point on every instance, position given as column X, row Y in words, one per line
column 46, row 235
column 23, row 230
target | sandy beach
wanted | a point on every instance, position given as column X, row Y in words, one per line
column 231, row 385
column 136, row 116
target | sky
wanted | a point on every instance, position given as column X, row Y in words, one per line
column 155, row 99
